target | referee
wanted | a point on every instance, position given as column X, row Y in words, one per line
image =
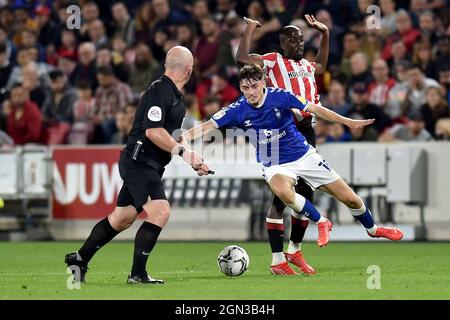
column 149, row 149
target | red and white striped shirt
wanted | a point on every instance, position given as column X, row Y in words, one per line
column 294, row 76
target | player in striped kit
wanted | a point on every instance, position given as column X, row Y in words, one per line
column 292, row 72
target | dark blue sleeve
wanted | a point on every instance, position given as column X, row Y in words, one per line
column 296, row 102
column 226, row 117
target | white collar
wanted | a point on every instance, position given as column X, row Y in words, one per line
column 263, row 100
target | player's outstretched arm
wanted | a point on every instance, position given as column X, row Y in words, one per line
column 243, row 55
column 162, row 139
column 197, row 132
column 332, row 116
column 322, row 54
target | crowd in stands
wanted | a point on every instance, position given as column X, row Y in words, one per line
column 81, row 86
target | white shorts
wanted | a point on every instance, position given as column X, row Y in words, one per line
column 311, row 167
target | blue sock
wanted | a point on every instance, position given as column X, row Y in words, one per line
column 366, row 219
column 310, row 211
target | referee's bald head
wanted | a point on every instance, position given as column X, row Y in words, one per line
column 179, row 57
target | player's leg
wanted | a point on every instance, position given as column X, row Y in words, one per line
column 157, row 213
column 340, row 190
column 103, row 232
column 283, row 186
column 299, row 224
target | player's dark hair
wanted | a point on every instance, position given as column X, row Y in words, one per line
column 251, row 72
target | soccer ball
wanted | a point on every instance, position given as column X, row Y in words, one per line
column 233, row 261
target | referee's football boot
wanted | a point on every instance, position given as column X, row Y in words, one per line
column 77, row 265
column 146, row 279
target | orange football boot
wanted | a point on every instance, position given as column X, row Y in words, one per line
column 298, row 260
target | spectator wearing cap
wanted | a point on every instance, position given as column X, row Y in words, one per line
column 111, row 97
column 364, row 134
column 414, row 130
column 417, row 85
column 24, row 118
column 123, row 25
column 59, row 105
column 48, row 30
column 85, row 69
column 145, row 69
column 405, row 31
column 335, row 100
column 105, row 58
column 360, row 96
column 434, row 109
column 380, row 87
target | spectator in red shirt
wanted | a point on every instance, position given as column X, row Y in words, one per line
column 218, row 86
column 380, row 87
column 405, row 30
column 24, row 117
column 208, row 47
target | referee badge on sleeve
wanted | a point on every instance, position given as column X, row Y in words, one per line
column 154, row 114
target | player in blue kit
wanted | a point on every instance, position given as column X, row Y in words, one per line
column 264, row 113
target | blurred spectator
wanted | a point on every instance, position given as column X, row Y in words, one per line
column 417, row 85
column 211, row 106
column 5, row 69
column 388, row 19
column 443, row 56
column 192, row 113
column 427, row 27
column 230, row 43
column 200, row 10
column 24, row 118
column 38, row 93
column 255, row 11
column 67, row 64
column 48, row 30
column 69, row 44
column 335, row 37
column 380, row 87
column 364, row 134
column 434, row 109
column 405, row 31
column 399, row 53
column 351, row 45
column 217, row 86
column 335, row 99
column 89, row 13
column 225, row 10
column 83, row 115
column 111, row 97
column 360, row 72
column 10, row 47
column 97, row 33
column 442, row 131
column 143, row 22
column 29, row 39
column 85, row 69
column 337, row 133
column 397, row 94
column 123, row 128
column 414, row 130
column 321, row 130
column 123, row 25
column 207, row 48
column 166, row 17
column 360, row 96
column 423, row 57
column 105, row 58
column 185, row 36
column 5, row 139
column 7, row 20
column 145, row 69
column 444, row 80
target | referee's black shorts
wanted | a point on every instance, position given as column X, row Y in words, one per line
column 140, row 181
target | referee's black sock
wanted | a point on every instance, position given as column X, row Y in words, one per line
column 100, row 235
column 145, row 240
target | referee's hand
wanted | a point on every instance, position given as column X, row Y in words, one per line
column 204, row 170
column 193, row 158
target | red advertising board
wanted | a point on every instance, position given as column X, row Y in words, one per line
column 86, row 182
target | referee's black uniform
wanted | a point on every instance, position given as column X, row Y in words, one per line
column 161, row 106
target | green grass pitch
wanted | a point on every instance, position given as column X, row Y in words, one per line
column 35, row 270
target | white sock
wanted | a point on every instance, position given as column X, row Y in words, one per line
column 277, row 258
column 294, row 247
column 322, row 219
column 372, row 230
column 298, row 203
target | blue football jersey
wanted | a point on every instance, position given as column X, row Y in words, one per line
column 269, row 126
